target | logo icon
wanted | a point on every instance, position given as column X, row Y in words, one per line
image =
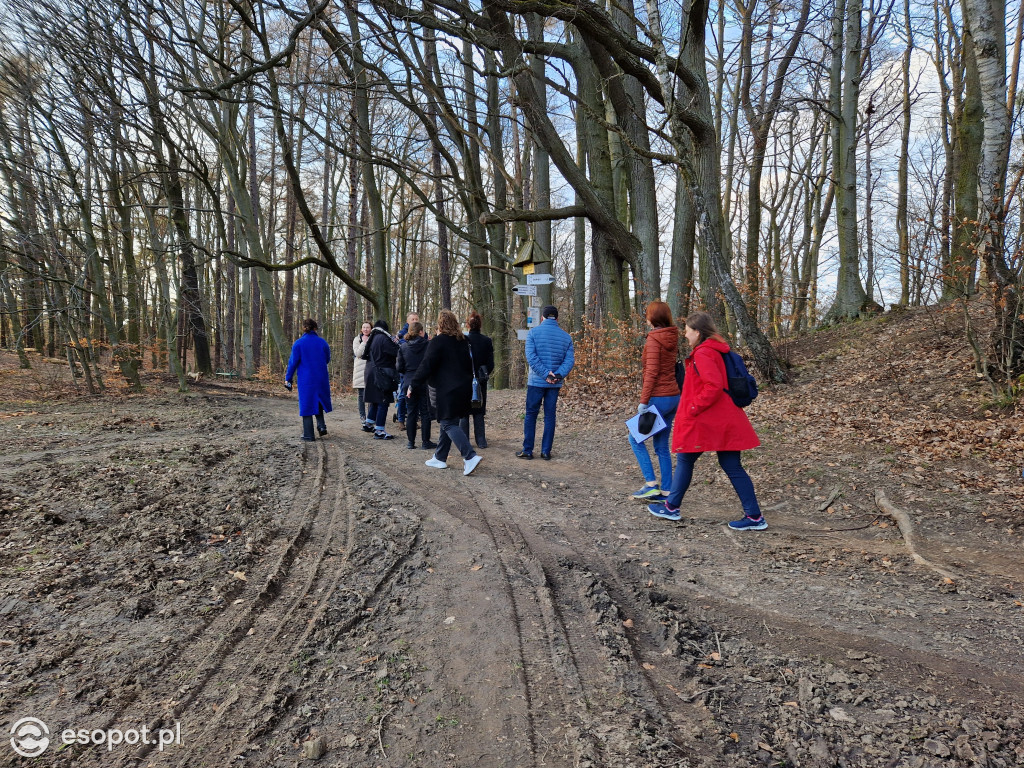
column 30, row 737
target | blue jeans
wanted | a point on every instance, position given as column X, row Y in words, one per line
column 400, row 404
column 727, row 460
column 534, row 397
column 667, row 408
column 378, row 413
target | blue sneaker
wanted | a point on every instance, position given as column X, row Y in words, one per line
column 648, row 492
column 663, row 510
column 749, row 524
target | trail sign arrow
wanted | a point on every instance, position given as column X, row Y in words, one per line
column 525, row 290
column 539, row 279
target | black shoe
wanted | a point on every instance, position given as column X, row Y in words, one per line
column 427, row 445
column 481, row 443
column 383, row 436
column 367, row 428
column 523, row 455
column 394, row 418
column 323, row 432
column 546, row 456
column 410, row 445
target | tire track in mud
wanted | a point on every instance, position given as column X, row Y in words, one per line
column 198, row 661
column 568, row 673
column 255, row 683
column 791, row 633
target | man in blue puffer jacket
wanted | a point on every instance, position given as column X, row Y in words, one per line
column 550, row 355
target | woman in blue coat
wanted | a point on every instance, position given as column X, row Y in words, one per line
column 309, row 359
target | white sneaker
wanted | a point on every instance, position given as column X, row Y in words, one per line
column 472, row 464
column 435, row 463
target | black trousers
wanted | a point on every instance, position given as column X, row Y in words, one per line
column 418, row 413
column 307, row 425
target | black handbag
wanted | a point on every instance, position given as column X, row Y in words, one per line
column 386, row 379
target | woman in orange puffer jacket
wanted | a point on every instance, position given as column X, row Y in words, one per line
column 661, row 391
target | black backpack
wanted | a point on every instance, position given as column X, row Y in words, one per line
column 742, row 386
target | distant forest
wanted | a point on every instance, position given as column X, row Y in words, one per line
column 182, row 182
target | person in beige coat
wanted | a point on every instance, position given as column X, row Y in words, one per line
column 359, row 371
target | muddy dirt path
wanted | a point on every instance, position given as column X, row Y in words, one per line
column 189, row 564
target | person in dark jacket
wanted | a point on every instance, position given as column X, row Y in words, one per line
column 309, row 359
column 447, row 368
column 708, row 420
column 400, row 405
column 483, row 359
column 410, row 355
column 660, row 390
column 381, row 377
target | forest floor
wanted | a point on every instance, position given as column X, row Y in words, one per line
column 185, row 562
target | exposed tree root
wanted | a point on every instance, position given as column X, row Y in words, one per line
column 907, row 529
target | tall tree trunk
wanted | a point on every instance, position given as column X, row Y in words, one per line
column 968, row 127
column 850, row 299
column 903, row 172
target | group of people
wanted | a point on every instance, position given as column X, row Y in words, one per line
column 444, row 378
column 431, row 379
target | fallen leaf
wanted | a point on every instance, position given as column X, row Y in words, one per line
column 715, row 656
column 623, row 536
column 476, row 568
column 645, row 565
column 765, row 747
column 627, row 623
column 790, row 704
column 947, row 580
column 734, row 736
column 649, row 666
column 450, row 620
column 240, row 575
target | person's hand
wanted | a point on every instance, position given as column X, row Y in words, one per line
column 642, row 408
column 408, row 392
column 288, row 386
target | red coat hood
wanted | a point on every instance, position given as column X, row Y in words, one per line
column 713, row 344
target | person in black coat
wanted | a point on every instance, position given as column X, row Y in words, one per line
column 381, row 377
column 410, row 355
column 447, row 368
column 483, row 359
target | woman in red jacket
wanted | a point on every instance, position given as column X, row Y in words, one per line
column 708, row 420
column 660, row 390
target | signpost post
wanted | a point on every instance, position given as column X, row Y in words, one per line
column 530, row 255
